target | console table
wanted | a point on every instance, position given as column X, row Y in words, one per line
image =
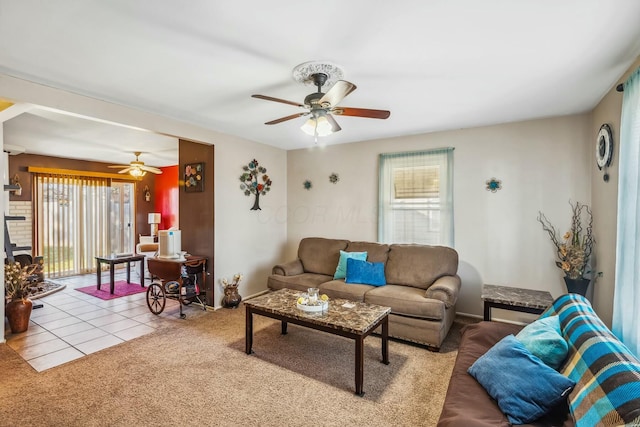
column 112, row 261
column 515, row 299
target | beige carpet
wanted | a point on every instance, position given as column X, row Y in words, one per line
column 195, row 372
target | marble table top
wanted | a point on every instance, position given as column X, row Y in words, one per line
column 516, row 296
column 350, row 316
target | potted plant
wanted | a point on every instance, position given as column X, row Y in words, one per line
column 18, row 306
column 574, row 248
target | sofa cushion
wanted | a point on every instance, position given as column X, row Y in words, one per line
column 419, row 265
column 367, row 273
column 542, row 338
column 319, row 255
column 340, row 289
column 341, row 269
column 524, row 387
column 299, row 282
column 406, row 301
column 376, row 252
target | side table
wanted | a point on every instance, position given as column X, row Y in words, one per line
column 515, row 299
column 112, row 261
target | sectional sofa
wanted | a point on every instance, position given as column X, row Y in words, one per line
column 606, row 375
column 421, row 284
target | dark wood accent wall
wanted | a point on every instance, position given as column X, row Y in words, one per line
column 197, row 208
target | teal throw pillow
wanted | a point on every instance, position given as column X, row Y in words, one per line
column 366, row 273
column 524, row 387
column 341, row 269
column 543, row 339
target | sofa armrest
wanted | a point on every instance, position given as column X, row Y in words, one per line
column 445, row 289
column 290, row 268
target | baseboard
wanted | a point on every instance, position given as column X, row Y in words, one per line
column 496, row 319
column 256, row 294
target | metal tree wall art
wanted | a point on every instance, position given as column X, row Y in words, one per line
column 255, row 181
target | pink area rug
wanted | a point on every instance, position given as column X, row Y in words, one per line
column 121, row 289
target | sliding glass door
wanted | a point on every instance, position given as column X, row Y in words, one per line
column 79, row 218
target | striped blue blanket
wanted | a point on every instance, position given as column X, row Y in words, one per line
column 607, row 374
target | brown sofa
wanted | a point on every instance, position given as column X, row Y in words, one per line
column 467, row 404
column 422, row 283
column 605, row 372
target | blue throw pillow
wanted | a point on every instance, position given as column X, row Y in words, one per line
column 366, row 273
column 543, row 339
column 524, row 387
column 341, row 269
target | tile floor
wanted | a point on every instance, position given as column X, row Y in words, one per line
column 72, row 324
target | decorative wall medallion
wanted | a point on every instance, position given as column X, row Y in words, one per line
column 194, row 177
column 494, row 185
column 254, row 184
column 333, row 178
column 307, row 185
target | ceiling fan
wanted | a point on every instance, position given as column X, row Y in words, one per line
column 322, row 107
column 137, row 168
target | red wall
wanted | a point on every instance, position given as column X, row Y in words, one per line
column 166, row 197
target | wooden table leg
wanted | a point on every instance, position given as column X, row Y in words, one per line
column 128, row 272
column 112, row 276
column 142, row 273
column 283, row 328
column 99, row 273
column 385, row 340
column 248, row 337
column 359, row 365
column 487, row 310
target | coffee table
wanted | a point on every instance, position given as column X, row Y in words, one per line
column 355, row 320
column 112, row 261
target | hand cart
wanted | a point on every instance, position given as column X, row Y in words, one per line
column 181, row 280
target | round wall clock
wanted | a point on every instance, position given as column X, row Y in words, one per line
column 604, row 147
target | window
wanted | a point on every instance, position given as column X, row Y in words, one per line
column 416, row 197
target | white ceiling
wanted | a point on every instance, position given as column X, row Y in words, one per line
column 436, row 65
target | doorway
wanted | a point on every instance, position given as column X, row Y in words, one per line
column 122, row 213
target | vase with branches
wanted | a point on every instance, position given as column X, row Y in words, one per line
column 575, row 246
column 17, row 285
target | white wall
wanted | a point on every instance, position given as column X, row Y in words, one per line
column 542, row 165
column 4, row 203
column 245, row 241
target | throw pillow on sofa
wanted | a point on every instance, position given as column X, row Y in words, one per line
column 366, row 273
column 341, row 269
column 522, row 385
column 543, row 339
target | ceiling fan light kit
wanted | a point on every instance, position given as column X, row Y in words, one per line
column 322, row 106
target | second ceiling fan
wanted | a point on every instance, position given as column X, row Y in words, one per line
column 137, row 168
column 322, row 106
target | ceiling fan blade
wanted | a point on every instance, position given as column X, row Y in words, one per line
column 361, row 112
column 337, row 93
column 151, row 169
column 284, row 119
column 126, row 170
column 284, row 101
column 335, row 127
column 118, row 166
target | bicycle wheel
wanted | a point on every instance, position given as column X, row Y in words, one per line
column 156, row 298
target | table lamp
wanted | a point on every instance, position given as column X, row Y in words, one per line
column 154, row 220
